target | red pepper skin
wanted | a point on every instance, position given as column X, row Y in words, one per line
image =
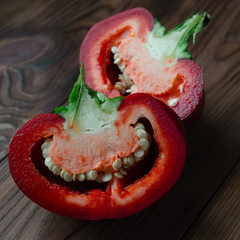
column 92, row 50
column 95, row 53
column 191, row 104
column 117, row 201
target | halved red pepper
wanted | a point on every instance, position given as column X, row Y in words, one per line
column 86, row 160
column 131, row 52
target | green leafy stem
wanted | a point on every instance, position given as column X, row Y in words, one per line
column 174, row 43
column 81, row 98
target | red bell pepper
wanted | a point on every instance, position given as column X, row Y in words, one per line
column 131, row 52
column 94, row 160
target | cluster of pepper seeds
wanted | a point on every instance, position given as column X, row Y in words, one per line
column 119, row 167
column 126, row 85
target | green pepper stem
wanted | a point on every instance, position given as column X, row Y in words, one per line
column 169, row 46
column 87, row 109
column 191, row 26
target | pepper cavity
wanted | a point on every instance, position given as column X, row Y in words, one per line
column 125, row 83
column 119, row 168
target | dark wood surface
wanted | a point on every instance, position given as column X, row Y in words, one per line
column 39, row 46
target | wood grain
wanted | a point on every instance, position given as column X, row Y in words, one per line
column 33, row 66
column 39, row 44
column 221, row 218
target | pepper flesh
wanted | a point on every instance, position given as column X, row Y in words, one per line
column 118, row 199
column 129, row 30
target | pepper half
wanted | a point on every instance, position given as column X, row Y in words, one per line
column 131, row 52
column 99, row 157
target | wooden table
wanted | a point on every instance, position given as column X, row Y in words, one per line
column 39, row 46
